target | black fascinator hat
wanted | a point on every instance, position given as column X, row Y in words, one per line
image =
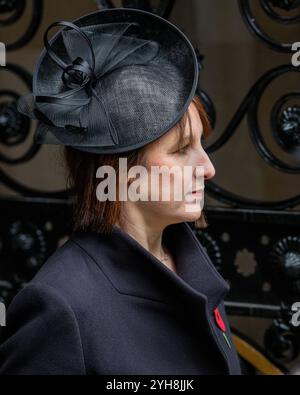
column 111, row 81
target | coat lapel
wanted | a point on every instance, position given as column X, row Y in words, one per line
column 133, row 270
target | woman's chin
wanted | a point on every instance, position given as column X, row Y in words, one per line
column 192, row 217
column 191, row 213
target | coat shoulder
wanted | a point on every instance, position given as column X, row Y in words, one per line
column 74, row 274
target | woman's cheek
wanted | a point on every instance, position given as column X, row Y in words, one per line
column 171, row 184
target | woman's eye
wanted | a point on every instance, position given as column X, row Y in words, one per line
column 182, row 150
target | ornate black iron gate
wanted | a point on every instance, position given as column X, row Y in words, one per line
column 255, row 244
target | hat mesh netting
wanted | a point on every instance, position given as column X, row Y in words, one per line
column 111, row 81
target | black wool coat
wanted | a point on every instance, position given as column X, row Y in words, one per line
column 105, row 305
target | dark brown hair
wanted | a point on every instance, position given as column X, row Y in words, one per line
column 88, row 212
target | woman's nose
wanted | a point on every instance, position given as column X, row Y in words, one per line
column 208, row 171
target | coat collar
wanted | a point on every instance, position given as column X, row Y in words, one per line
column 133, row 270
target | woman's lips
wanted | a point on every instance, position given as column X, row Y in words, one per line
column 197, row 193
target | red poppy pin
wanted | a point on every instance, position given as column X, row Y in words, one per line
column 221, row 325
column 219, row 320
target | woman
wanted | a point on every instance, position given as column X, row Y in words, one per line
column 132, row 291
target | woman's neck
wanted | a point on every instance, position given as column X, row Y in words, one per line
column 147, row 233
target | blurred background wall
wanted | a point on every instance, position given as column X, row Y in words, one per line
column 233, row 62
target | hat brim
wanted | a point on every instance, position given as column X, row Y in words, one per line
column 176, row 50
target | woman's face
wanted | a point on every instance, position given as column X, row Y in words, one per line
column 192, row 167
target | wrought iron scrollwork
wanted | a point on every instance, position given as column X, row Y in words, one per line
column 285, row 123
column 268, row 7
column 284, row 119
column 14, row 129
column 15, row 9
column 282, row 131
column 285, row 5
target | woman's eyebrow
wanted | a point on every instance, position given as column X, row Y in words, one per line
column 189, row 138
column 181, row 142
column 186, row 139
